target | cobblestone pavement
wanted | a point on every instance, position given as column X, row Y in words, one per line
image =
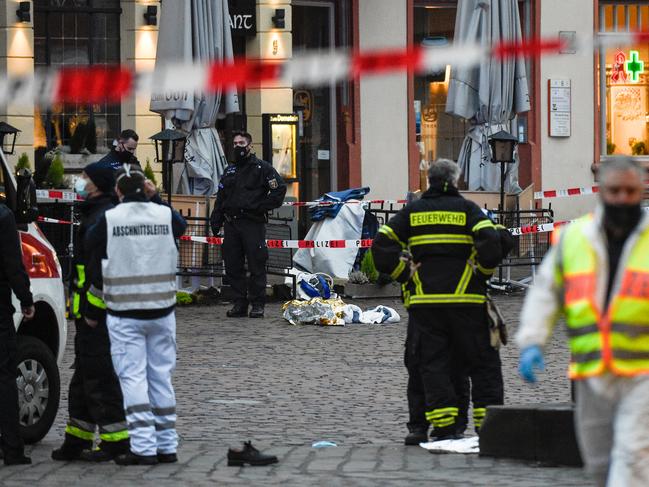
column 285, row 387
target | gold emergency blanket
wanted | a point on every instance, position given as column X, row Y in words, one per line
column 316, row 311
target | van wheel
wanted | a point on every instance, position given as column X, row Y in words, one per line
column 39, row 386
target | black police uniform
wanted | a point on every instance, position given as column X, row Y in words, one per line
column 12, row 278
column 248, row 190
column 95, row 397
column 458, row 249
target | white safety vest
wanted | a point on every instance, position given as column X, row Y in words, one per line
column 140, row 271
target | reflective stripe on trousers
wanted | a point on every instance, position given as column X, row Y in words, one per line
column 144, row 357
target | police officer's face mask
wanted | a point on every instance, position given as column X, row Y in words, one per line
column 241, row 152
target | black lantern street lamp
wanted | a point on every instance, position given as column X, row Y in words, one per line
column 502, row 152
column 169, row 149
column 7, row 142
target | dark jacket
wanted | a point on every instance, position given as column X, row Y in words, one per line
column 13, row 276
column 97, row 238
column 456, row 245
column 249, row 189
column 86, row 262
column 116, row 159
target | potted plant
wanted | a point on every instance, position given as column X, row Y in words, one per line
column 368, row 282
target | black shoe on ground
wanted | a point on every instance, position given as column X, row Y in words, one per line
column 97, row 455
column 250, row 455
column 167, row 458
column 16, row 459
column 257, row 311
column 131, row 458
column 239, row 310
column 415, row 437
column 66, row 454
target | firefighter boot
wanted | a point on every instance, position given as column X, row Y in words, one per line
column 71, row 449
column 418, row 434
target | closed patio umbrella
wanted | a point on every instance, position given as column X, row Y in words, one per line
column 199, row 31
column 488, row 95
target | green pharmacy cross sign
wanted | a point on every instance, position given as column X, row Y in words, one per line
column 634, row 66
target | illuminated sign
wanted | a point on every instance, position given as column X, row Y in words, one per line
column 634, row 66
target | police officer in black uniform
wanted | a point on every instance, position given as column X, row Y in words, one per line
column 248, row 190
column 443, row 248
column 12, row 278
column 95, row 397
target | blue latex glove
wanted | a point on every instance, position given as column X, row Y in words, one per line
column 531, row 358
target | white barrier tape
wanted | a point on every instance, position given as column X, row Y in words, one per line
column 352, row 202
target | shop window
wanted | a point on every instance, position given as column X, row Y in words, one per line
column 77, row 33
column 438, row 134
column 624, row 81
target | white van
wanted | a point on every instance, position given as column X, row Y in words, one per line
column 41, row 341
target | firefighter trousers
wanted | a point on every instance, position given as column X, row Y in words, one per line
column 10, row 441
column 245, row 242
column 455, row 340
column 144, row 355
column 414, row 357
column 95, row 397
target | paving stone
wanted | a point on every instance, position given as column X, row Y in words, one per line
column 285, row 387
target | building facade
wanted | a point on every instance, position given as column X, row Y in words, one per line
column 378, row 131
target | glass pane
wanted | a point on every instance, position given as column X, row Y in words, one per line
column 40, row 24
column 99, row 26
column 98, row 52
column 56, row 51
column 112, row 52
column 105, row 3
column 55, row 25
column 83, row 21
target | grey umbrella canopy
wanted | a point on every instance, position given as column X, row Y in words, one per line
column 491, row 94
column 199, row 31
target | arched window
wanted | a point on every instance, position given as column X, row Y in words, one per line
column 76, row 33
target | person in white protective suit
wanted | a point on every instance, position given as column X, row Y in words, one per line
column 138, row 241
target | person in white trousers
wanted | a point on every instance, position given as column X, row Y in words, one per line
column 138, row 239
column 597, row 275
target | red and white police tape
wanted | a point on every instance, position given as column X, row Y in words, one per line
column 168, row 82
column 565, row 193
column 49, row 194
column 44, row 219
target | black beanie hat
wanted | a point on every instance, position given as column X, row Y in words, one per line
column 102, row 175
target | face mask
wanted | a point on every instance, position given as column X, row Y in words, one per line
column 622, row 217
column 240, row 153
column 125, row 157
column 80, row 188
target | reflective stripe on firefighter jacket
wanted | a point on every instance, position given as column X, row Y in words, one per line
column 79, row 283
column 453, row 241
column 140, row 271
column 615, row 340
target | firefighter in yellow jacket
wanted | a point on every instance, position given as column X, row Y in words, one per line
column 597, row 275
column 443, row 249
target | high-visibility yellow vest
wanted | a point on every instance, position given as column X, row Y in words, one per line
column 615, row 340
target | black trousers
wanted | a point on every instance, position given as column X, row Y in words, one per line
column 11, row 442
column 95, row 397
column 455, row 341
column 245, row 240
column 416, row 388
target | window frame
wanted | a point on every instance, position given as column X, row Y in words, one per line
column 89, row 9
column 601, row 73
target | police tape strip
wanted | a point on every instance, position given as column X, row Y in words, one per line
column 44, row 219
column 95, row 84
column 565, row 193
column 48, row 194
column 352, row 202
column 293, row 244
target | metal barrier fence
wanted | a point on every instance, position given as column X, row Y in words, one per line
column 529, row 248
column 61, row 237
column 199, row 259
